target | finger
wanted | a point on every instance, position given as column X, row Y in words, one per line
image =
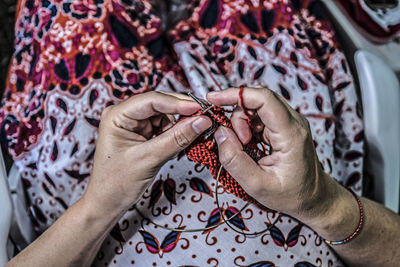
column 143, row 106
column 235, row 161
column 257, row 125
column 160, row 123
column 272, row 111
column 146, row 130
column 240, row 125
column 171, row 118
column 166, row 123
column 178, row 137
column 177, row 95
column 156, row 120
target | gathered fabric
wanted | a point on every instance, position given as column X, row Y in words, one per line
column 73, row 58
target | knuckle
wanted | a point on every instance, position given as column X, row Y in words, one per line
column 106, row 112
column 181, row 138
column 106, row 115
column 135, row 125
column 305, row 124
column 303, row 121
column 121, row 120
column 152, row 94
column 268, row 93
column 138, row 98
column 303, row 132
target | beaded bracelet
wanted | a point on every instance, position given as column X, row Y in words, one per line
column 358, row 229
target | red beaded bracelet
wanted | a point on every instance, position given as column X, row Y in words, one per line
column 358, row 229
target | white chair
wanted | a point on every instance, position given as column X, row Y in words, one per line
column 381, row 98
column 5, row 212
column 376, row 66
column 355, row 40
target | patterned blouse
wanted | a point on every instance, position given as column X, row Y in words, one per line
column 75, row 57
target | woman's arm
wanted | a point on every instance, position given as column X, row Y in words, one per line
column 129, row 152
column 378, row 241
column 291, row 178
column 70, row 239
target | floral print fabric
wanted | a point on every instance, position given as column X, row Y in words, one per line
column 74, row 58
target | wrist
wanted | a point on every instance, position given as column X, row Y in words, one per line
column 97, row 214
column 111, row 197
column 336, row 213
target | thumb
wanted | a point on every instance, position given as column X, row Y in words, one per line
column 236, row 161
column 179, row 136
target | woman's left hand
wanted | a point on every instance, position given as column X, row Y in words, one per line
column 291, row 178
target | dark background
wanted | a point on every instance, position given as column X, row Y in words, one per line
column 7, row 16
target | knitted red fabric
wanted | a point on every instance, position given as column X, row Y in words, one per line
column 204, row 151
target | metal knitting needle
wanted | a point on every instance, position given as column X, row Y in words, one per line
column 205, row 108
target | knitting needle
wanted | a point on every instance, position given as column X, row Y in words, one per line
column 205, row 108
column 201, row 103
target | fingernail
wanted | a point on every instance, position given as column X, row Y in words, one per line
column 220, row 135
column 201, row 124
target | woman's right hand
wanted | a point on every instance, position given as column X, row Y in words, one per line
column 136, row 137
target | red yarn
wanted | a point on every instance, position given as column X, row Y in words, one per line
column 204, row 151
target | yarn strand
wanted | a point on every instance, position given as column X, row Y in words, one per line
column 204, row 151
column 225, row 220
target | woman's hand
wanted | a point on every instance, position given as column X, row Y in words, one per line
column 290, row 179
column 134, row 141
column 136, row 138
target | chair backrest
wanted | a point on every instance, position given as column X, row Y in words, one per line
column 5, row 212
column 380, row 91
column 376, row 65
